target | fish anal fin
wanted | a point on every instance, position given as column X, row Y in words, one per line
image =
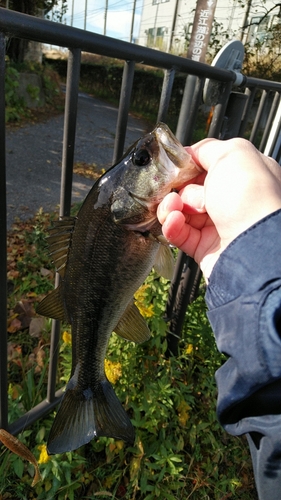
column 84, row 415
column 132, row 326
column 164, row 262
column 52, row 305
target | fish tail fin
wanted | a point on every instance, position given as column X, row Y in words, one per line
column 84, row 415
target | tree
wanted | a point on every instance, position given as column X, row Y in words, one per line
column 16, row 48
column 262, row 43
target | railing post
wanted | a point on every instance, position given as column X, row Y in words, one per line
column 187, row 275
column 192, row 97
column 186, row 280
column 166, row 93
column 123, row 111
column 234, row 112
column 250, row 92
column 259, row 116
column 269, row 121
column 219, row 112
column 3, row 248
column 70, row 117
column 185, row 286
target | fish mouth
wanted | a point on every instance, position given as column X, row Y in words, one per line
column 174, row 160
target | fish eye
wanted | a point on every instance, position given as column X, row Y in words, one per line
column 141, row 157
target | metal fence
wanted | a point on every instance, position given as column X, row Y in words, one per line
column 231, row 117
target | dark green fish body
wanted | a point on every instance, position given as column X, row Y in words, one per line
column 103, row 256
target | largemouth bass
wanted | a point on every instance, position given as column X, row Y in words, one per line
column 103, row 256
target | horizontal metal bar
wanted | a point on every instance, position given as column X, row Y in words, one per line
column 263, row 84
column 41, row 30
column 39, row 411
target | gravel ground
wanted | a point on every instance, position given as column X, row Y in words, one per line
column 34, row 156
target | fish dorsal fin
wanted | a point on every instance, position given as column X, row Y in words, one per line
column 52, row 305
column 132, row 325
column 59, row 241
column 164, row 262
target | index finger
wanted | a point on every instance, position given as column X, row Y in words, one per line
column 209, row 152
column 204, row 152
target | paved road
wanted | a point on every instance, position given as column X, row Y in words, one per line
column 34, row 156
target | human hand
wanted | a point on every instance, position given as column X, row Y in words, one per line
column 239, row 187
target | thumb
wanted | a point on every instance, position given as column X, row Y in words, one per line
column 193, row 198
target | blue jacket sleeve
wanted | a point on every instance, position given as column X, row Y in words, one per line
column 244, row 309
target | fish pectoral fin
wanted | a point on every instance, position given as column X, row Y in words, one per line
column 52, row 305
column 59, row 240
column 132, row 326
column 164, row 262
column 84, row 415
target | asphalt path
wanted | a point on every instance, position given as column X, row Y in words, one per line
column 34, row 154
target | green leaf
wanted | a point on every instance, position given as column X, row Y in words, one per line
column 175, row 459
column 18, row 467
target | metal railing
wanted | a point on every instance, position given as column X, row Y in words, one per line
column 230, row 118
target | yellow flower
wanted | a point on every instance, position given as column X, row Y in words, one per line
column 66, row 337
column 183, row 411
column 236, row 483
column 44, row 457
column 146, row 312
column 140, row 297
column 189, row 349
column 113, row 371
column 109, row 481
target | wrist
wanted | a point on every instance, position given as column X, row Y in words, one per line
column 247, row 262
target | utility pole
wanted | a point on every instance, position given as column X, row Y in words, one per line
column 170, row 44
column 85, row 17
column 245, row 21
column 105, row 16
column 155, row 26
column 133, row 20
column 72, row 13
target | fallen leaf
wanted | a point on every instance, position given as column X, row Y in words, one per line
column 13, row 274
column 14, row 326
column 25, row 311
column 17, row 447
column 36, row 326
column 14, row 351
column 46, row 272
